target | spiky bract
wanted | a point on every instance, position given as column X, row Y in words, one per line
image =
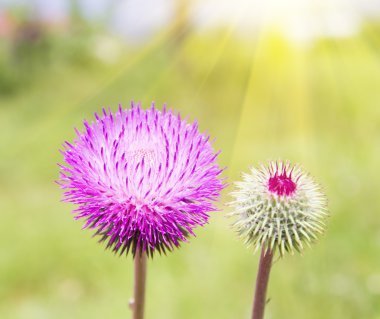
column 143, row 179
column 279, row 206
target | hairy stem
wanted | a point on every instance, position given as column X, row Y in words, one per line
column 139, row 287
column 262, row 283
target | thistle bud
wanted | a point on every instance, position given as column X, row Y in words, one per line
column 279, row 206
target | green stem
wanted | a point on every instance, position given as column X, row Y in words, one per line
column 139, row 287
column 262, row 283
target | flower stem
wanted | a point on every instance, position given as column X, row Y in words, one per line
column 139, row 287
column 262, row 283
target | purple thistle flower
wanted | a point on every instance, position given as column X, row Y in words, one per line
column 143, row 179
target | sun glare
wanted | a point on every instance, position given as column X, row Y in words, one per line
column 300, row 20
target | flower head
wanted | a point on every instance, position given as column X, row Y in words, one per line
column 143, row 179
column 279, row 206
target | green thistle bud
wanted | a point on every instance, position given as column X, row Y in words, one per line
column 279, row 207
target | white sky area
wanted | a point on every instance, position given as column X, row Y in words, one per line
column 299, row 19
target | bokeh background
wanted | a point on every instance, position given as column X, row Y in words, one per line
column 268, row 79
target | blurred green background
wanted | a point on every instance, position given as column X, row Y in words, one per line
column 261, row 93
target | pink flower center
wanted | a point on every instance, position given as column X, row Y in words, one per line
column 143, row 153
column 282, row 184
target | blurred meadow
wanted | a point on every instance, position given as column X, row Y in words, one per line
column 309, row 93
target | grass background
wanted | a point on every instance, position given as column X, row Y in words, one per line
column 262, row 99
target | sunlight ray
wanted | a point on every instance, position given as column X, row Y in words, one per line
column 217, row 56
column 245, row 106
